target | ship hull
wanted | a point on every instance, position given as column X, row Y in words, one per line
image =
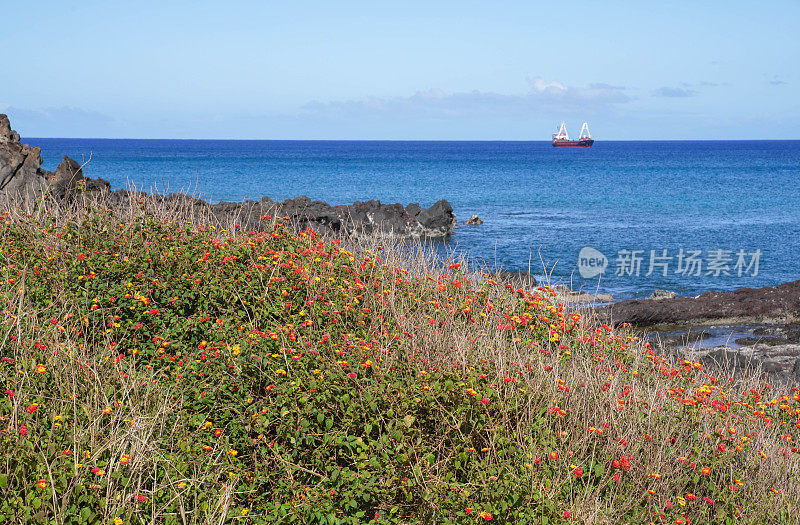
column 573, row 143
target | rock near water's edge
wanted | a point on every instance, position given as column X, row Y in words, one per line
column 21, row 177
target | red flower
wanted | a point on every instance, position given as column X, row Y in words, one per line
column 486, row 515
column 485, row 401
column 42, row 484
column 32, row 408
column 617, row 476
column 705, row 471
column 23, row 431
column 140, row 498
column 578, row 472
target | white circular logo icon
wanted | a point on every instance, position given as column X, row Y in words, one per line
column 591, row 262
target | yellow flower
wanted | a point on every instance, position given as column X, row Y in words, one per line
column 232, row 452
column 118, row 521
column 182, row 485
column 40, row 369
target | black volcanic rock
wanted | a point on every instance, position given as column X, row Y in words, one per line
column 778, row 304
column 438, row 217
column 68, row 180
column 21, row 176
column 19, row 163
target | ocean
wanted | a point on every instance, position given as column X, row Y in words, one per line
column 685, row 216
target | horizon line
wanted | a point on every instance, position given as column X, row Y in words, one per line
column 402, row 140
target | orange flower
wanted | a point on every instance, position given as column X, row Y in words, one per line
column 125, row 459
column 42, row 484
column 705, row 471
column 486, row 515
column 40, row 369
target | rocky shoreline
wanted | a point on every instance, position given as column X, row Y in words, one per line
column 22, row 178
column 763, row 325
column 735, row 331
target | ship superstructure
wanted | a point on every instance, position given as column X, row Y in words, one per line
column 561, row 138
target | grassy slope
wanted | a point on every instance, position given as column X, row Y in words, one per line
column 168, row 373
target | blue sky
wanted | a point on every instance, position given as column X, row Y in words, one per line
column 401, row 70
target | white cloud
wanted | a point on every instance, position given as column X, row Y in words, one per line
column 545, row 98
column 674, row 92
column 541, row 85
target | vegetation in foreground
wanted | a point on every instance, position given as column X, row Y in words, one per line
column 155, row 371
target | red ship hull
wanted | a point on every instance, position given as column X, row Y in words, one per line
column 586, row 143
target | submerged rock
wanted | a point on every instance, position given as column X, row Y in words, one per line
column 662, row 294
column 779, row 362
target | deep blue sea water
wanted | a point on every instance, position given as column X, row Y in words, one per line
column 538, row 203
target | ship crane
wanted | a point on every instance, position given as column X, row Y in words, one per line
column 561, row 134
column 584, row 132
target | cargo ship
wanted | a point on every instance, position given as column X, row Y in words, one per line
column 561, row 138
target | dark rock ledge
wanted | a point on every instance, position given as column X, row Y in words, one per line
column 767, row 305
column 21, row 177
column 767, row 320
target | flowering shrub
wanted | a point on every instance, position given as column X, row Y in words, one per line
column 161, row 371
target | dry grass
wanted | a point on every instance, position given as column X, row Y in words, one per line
column 528, row 368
